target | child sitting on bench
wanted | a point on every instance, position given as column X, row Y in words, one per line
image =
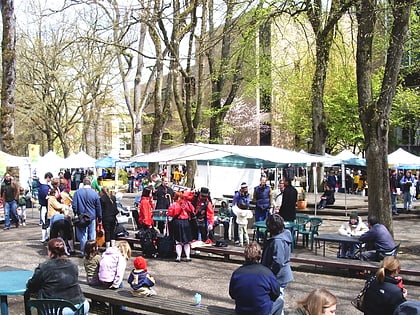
column 140, row 280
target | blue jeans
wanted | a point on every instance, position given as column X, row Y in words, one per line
column 68, row 311
column 85, row 234
column 407, row 200
column 278, row 303
column 10, row 213
column 394, row 202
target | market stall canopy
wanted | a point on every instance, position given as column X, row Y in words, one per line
column 52, row 160
column 268, row 155
column 80, row 160
column 403, row 159
column 110, row 161
column 12, row 160
column 347, row 158
column 105, row 162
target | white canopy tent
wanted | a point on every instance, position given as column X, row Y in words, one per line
column 79, row 160
column 22, row 163
column 403, row 159
column 50, row 162
column 222, row 179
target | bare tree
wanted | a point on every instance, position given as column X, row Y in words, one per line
column 8, row 76
column 374, row 113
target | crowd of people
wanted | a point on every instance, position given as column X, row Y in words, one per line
column 193, row 219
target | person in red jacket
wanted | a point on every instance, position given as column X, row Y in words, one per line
column 146, row 207
column 204, row 214
column 180, row 212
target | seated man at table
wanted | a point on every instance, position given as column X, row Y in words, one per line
column 379, row 236
column 223, row 217
column 353, row 227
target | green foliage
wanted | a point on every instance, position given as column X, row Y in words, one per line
column 405, row 112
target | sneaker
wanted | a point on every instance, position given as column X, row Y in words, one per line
column 24, row 223
column 6, row 228
column 151, row 292
column 178, row 260
column 236, row 242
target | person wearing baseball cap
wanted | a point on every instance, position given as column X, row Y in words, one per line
column 354, row 227
column 240, row 196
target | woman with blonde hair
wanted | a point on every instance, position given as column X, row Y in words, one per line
column 113, row 264
column 318, row 302
column 385, row 291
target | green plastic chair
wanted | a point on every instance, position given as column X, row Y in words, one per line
column 308, row 235
column 53, row 306
column 301, row 221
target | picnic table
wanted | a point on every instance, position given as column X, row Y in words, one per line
column 13, row 282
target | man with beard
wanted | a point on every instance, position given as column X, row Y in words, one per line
column 10, row 196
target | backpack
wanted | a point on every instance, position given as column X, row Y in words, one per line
column 148, row 241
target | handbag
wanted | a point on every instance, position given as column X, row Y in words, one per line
column 359, row 301
column 100, row 235
column 166, row 244
column 82, row 220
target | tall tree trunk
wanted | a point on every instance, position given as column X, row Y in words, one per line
column 374, row 114
column 8, row 77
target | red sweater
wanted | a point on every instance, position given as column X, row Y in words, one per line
column 180, row 209
column 146, row 207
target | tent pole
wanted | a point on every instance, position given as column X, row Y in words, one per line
column 343, row 184
column 315, row 184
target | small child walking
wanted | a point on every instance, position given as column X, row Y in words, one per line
column 21, row 210
column 242, row 216
column 140, row 280
column 91, row 262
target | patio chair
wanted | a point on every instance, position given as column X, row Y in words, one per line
column 381, row 254
column 53, row 306
column 308, row 235
column 301, row 221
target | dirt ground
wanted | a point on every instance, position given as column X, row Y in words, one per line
column 209, row 276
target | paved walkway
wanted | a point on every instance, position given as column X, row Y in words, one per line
column 210, row 276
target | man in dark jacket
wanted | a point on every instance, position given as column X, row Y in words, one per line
column 10, row 196
column 163, row 195
column 379, row 236
column 288, row 204
column 253, row 286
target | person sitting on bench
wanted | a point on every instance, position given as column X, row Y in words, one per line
column 327, row 197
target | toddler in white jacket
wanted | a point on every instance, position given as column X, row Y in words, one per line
column 242, row 216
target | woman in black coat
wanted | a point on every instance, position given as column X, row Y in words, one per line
column 386, row 291
column 109, row 215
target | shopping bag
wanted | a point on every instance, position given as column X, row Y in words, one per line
column 100, row 235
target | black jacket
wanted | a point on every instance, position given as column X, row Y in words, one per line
column 383, row 298
column 288, row 205
column 56, row 279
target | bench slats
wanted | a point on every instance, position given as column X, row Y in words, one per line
column 156, row 304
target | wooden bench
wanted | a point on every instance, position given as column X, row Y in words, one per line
column 156, row 304
column 226, row 252
column 134, row 242
column 310, row 259
column 349, row 264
